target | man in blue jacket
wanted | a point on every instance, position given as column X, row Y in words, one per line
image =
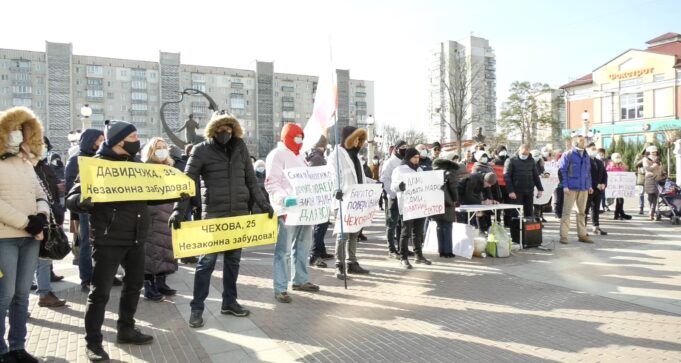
column 575, row 174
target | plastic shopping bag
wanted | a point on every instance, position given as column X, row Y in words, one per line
column 462, row 239
column 430, row 242
column 498, row 241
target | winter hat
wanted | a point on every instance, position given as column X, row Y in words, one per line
column 410, row 153
column 289, row 133
column 258, row 163
column 651, row 149
column 399, row 143
column 118, row 131
column 436, row 145
column 616, row 156
column 490, row 178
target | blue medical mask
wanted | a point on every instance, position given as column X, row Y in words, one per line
column 523, row 157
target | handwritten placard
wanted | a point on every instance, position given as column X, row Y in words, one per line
column 360, row 203
column 422, row 196
column 621, row 184
column 313, row 189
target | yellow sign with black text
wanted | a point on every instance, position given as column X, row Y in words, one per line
column 223, row 234
column 119, row 181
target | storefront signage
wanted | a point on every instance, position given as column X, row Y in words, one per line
column 631, row 74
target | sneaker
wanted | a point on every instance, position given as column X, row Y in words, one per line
column 317, row 262
column 22, row 356
column 392, row 254
column 308, row 286
column 599, row 231
column 283, row 297
column 585, row 239
column 355, row 268
column 327, row 256
column 196, row 319
column 626, row 217
column 411, row 254
column 361, row 237
column 133, row 336
column 50, row 301
column 422, row 260
column 234, row 309
column 405, row 264
column 117, row 282
column 96, row 353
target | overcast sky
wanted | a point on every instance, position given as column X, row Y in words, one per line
column 384, row 41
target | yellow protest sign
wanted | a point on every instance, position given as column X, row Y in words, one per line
column 120, row 181
column 223, row 234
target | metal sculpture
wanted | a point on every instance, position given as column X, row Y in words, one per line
column 212, row 105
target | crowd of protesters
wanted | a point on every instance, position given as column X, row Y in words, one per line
column 136, row 235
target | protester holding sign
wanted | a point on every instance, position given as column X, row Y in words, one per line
column 392, row 213
column 411, row 229
column 224, row 164
column 118, row 231
column 159, row 260
column 293, row 239
column 24, row 211
column 344, row 159
column 616, row 165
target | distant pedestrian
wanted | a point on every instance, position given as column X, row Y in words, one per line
column 654, row 175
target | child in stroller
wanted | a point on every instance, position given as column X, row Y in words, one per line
column 670, row 200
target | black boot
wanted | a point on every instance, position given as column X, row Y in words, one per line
column 162, row 287
column 132, row 336
column 355, row 268
column 420, row 259
column 339, row 271
column 151, row 292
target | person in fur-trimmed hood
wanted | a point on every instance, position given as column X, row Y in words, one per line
column 23, row 213
column 345, row 160
column 224, row 164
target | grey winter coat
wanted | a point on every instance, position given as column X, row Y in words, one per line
column 158, row 249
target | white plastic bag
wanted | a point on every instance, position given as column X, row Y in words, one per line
column 498, row 241
column 462, row 239
column 430, row 241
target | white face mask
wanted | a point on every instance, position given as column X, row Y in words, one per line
column 503, row 153
column 260, row 169
column 16, row 137
column 599, row 156
column 536, row 158
column 298, row 140
column 545, row 154
column 484, row 160
column 523, row 156
column 423, row 153
column 161, row 154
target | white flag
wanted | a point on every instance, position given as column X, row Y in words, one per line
column 324, row 109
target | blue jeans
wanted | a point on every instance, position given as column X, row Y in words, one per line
column 18, row 259
column 85, row 257
column 204, row 270
column 444, row 237
column 42, row 276
column 290, row 256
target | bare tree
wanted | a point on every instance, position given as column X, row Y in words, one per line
column 390, row 133
column 459, row 82
column 413, row 137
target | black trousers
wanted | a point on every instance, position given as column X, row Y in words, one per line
column 527, row 201
column 413, row 230
column 106, row 260
column 393, row 221
column 594, row 204
column 558, row 197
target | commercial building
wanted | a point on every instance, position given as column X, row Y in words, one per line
column 56, row 84
column 469, row 65
column 636, row 96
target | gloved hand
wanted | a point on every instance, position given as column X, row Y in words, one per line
column 290, row 201
column 36, row 223
column 402, row 186
column 339, row 194
column 269, row 210
column 86, row 204
column 175, row 219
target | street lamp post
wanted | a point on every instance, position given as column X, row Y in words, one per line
column 370, row 137
column 85, row 113
column 585, row 119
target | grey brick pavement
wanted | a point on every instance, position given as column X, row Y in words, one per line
column 611, row 301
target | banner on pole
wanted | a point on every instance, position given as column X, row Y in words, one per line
column 423, row 196
column 202, row 237
column 313, row 187
column 119, row 181
column 360, row 202
column 621, row 184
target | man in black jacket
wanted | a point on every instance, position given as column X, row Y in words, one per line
column 474, row 189
column 117, row 231
column 224, row 164
column 599, row 180
column 522, row 176
column 318, row 251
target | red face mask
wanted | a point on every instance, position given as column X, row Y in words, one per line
column 289, row 134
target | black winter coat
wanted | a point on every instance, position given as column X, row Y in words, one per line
column 599, row 175
column 316, row 157
column 115, row 223
column 158, row 249
column 451, row 189
column 472, row 190
column 521, row 175
column 228, row 178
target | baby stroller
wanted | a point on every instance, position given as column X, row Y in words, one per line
column 670, row 201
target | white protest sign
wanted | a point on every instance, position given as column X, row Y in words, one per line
column 360, row 202
column 551, row 167
column 549, row 186
column 313, row 187
column 423, row 196
column 621, row 184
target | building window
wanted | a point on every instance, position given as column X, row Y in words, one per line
column 634, row 139
column 4, row 77
column 631, row 82
column 287, row 103
column 360, row 94
column 94, row 71
column 110, row 95
column 139, row 107
column 237, row 85
column 288, row 115
column 139, row 84
column 237, row 101
column 658, row 77
column 631, row 106
column 138, row 96
column 21, row 89
column 95, row 93
column 288, row 89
